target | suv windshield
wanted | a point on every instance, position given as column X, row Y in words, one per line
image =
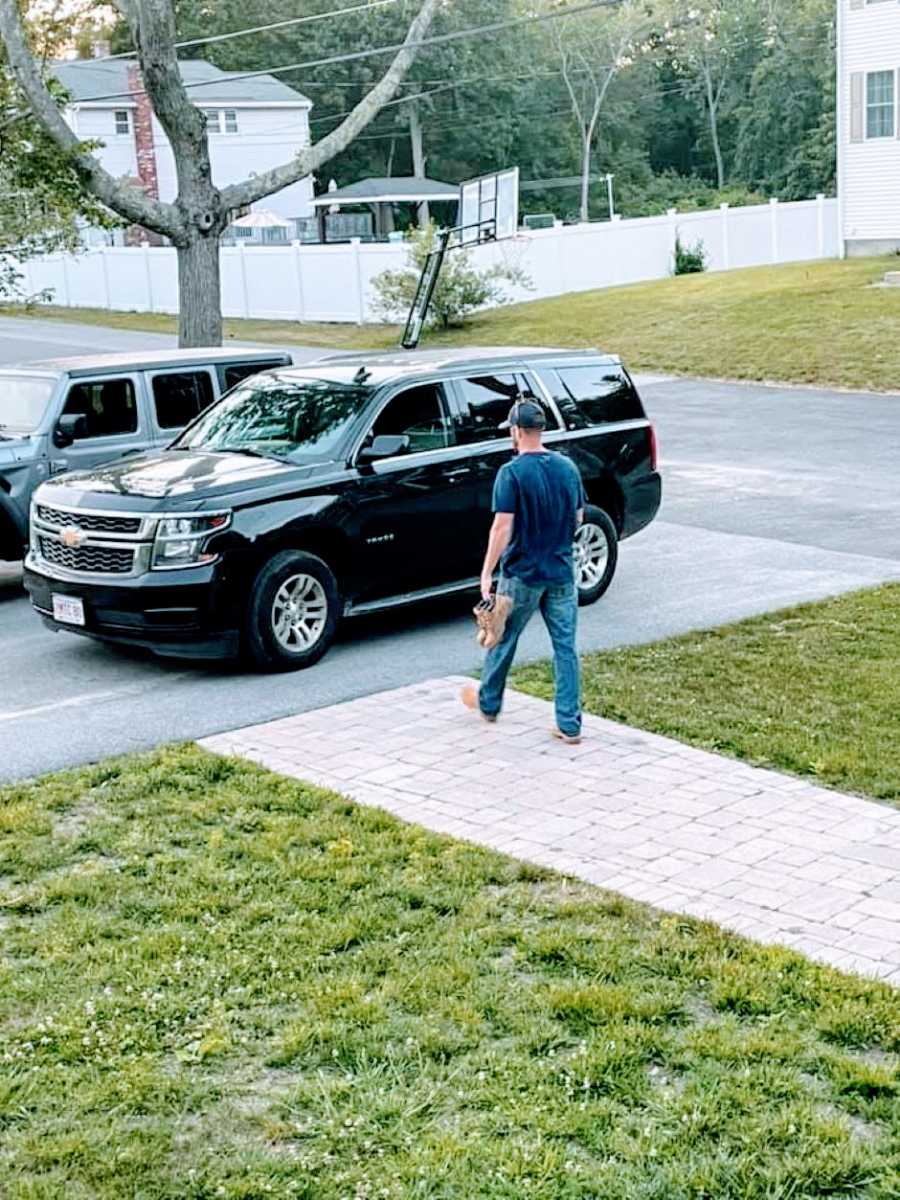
column 23, row 401
column 298, row 419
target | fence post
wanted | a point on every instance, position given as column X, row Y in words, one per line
column 148, row 271
column 105, row 265
column 773, row 209
column 820, row 223
column 301, row 303
column 67, row 298
column 673, row 238
column 726, row 255
column 360, row 298
column 245, row 293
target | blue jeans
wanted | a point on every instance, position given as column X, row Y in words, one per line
column 559, row 608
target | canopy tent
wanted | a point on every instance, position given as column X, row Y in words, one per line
column 382, row 194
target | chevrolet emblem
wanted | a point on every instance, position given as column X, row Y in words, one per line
column 72, row 537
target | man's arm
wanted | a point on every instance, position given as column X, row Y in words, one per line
column 501, row 533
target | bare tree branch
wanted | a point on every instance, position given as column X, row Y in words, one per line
column 125, row 199
column 152, row 24
column 240, row 194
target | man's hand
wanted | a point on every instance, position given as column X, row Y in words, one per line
column 487, row 583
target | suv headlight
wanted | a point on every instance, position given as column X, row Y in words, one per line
column 182, row 541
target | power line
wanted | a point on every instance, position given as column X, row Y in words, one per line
column 227, row 37
column 356, row 55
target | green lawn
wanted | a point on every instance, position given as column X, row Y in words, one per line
column 216, row 982
column 821, row 323
column 813, row 690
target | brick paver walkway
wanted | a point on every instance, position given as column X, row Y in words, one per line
column 773, row 857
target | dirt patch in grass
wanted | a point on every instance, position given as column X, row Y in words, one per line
column 244, row 1008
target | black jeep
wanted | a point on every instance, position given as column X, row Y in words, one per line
column 315, row 493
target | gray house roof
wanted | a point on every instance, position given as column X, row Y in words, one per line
column 87, row 80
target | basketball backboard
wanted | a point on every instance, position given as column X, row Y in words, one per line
column 488, row 208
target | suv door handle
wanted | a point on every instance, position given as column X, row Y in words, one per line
column 459, row 473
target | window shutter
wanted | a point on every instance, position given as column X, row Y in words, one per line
column 857, row 106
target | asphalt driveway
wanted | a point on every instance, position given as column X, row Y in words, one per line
column 772, row 496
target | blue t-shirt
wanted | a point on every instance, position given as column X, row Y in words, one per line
column 544, row 492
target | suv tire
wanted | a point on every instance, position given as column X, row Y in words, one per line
column 293, row 612
column 596, row 555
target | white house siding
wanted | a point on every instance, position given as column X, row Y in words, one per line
column 869, row 170
column 117, row 154
column 266, row 137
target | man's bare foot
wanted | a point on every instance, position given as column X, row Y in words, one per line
column 568, row 738
column 469, row 697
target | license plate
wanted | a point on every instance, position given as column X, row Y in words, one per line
column 68, row 610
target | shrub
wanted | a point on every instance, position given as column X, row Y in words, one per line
column 689, row 260
column 461, row 287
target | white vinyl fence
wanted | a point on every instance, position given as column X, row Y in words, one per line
column 334, row 283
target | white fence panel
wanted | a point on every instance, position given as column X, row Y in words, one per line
column 335, row 283
column 750, row 236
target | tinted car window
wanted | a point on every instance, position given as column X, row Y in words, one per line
column 418, row 413
column 108, row 406
column 235, row 373
column 180, row 397
column 596, row 395
column 487, row 400
column 531, row 393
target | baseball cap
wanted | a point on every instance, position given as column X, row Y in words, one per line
column 525, row 414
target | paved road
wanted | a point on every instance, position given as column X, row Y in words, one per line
column 23, row 339
column 772, row 496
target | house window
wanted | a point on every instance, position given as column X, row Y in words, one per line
column 880, row 104
column 123, row 121
column 221, row 120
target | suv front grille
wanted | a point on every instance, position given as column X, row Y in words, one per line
column 90, row 522
column 99, row 560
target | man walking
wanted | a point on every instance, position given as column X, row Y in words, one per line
column 538, row 505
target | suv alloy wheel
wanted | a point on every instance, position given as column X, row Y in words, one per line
column 596, row 555
column 293, row 612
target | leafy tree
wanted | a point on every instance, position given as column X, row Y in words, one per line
column 196, row 219
column 41, row 198
column 461, row 288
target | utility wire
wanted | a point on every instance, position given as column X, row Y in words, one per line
column 227, row 37
column 439, row 39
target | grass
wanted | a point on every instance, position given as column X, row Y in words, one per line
column 817, row 323
column 216, row 982
column 813, row 690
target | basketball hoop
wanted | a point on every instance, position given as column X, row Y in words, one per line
column 488, row 212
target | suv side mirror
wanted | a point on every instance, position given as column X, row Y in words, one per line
column 69, row 427
column 384, row 446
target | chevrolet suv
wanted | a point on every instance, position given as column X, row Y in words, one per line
column 311, row 494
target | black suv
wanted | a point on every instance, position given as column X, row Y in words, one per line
column 310, row 494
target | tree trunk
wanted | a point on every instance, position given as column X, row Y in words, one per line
column 713, row 105
column 585, row 174
column 418, row 157
column 199, row 292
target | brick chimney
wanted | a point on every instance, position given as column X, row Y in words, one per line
column 145, row 153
